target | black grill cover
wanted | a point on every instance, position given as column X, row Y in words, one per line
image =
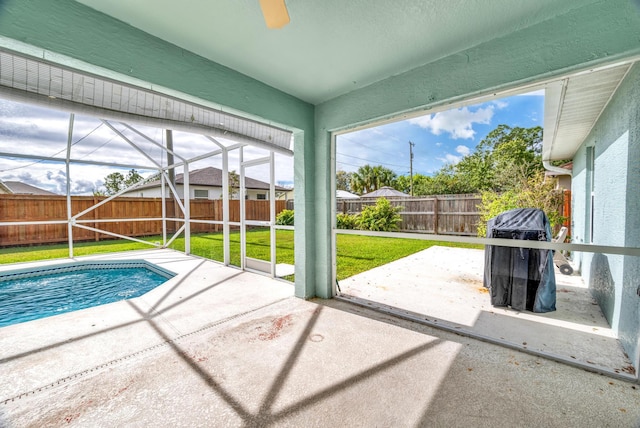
column 522, row 278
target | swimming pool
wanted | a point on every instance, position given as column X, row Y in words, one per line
column 27, row 295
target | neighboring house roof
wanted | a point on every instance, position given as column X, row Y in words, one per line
column 211, row 176
column 386, row 191
column 343, row 194
column 19, row 188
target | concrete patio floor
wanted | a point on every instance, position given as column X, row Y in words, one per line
column 443, row 286
column 215, row 346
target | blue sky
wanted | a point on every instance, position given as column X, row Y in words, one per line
column 440, row 138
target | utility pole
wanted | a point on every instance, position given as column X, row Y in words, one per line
column 411, row 166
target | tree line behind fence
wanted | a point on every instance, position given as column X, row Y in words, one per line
column 115, row 214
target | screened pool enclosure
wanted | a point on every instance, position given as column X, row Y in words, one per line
column 131, row 126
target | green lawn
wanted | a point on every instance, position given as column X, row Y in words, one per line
column 355, row 253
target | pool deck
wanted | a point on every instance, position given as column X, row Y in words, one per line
column 215, row 346
column 443, row 286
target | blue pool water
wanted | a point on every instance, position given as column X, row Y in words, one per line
column 25, row 296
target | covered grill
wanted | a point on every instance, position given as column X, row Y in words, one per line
column 521, row 278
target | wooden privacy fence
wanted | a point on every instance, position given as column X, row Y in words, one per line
column 440, row 215
column 28, row 208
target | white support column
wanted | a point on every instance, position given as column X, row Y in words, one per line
column 272, row 212
column 226, row 242
column 68, row 170
column 243, row 226
column 163, row 196
column 187, row 211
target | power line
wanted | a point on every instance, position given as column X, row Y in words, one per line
column 358, row 166
column 370, row 161
column 360, row 143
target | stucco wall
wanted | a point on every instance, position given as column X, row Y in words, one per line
column 214, row 192
column 614, row 280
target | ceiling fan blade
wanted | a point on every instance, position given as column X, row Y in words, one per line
column 275, row 13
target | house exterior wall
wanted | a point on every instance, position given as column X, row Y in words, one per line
column 214, row 192
column 613, row 279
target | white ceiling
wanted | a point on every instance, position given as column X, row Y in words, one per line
column 573, row 105
column 331, row 47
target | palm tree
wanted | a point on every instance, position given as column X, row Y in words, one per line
column 368, row 178
column 383, row 176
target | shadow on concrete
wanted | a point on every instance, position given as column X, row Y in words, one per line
column 442, row 287
column 265, row 415
column 144, row 317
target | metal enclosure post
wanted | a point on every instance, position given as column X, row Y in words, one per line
column 225, row 208
column 163, row 197
column 68, row 170
column 187, row 210
column 272, row 212
column 243, row 231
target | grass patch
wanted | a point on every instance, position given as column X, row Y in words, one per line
column 210, row 246
column 355, row 253
column 58, row 251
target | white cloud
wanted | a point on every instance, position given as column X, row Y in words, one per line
column 458, row 123
column 35, row 130
column 449, row 158
column 500, row 104
column 439, row 144
column 463, row 150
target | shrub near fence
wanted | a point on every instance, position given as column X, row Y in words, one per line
column 26, row 208
column 441, row 215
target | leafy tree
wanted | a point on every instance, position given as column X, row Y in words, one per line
column 369, row 178
column 343, row 180
column 531, row 192
column 501, row 161
column 115, row 182
column 380, row 217
column 403, row 183
column 234, row 184
column 504, row 154
column 475, row 170
column 444, row 182
column 448, row 182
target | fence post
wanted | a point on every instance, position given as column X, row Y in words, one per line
column 435, row 215
column 566, row 210
column 96, row 235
